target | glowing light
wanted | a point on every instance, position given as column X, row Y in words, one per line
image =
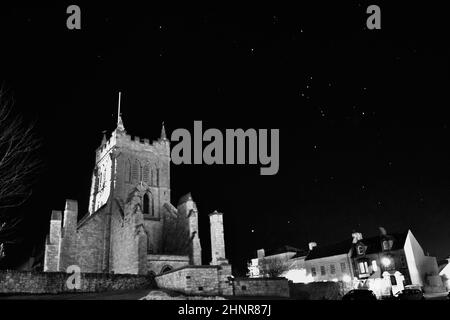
column 298, row 276
column 346, row 278
column 374, row 266
column 385, row 261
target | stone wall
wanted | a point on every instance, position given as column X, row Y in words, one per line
column 89, row 246
column 156, row 263
column 317, row 291
column 258, row 287
column 198, row 280
column 21, row 282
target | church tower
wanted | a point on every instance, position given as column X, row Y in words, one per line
column 131, row 176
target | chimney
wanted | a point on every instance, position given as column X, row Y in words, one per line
column 260, row 253
column 312, row 245
column 357, row 236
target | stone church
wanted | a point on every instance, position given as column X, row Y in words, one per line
column 131, row 226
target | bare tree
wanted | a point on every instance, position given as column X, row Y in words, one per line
column 272, row 267
column 18, row 165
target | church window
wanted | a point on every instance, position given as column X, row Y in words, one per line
column 157, row 177
column 128, row 171
column 146, row 174
column 100, row 179
column 96, row 182
column 135, row 171
column 148, row 204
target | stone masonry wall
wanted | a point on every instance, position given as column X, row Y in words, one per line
column 19, row 282
column 254, row 287
column 156, row 263
column 90, row 244
column 195, row 280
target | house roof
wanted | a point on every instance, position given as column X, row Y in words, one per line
column 443, row 263
column 284, row 249
column 373, row 245
column 330, row 250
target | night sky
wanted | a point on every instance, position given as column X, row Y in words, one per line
column 363, row 114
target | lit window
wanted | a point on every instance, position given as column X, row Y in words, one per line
column 363, row 267
column 374, row 266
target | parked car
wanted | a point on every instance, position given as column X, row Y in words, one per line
column 411, row 294
column 360, row 294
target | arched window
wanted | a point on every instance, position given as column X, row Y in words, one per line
column 135, row 171
column 100, row 179
column 146, row 204
column 146, row 174
column 96, row 181
column 166, row 269
column 128, row 170
column 157, row 177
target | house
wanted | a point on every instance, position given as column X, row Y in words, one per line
column 385, row 263
column 388, row 262
column 330, row 262
column 444, row 272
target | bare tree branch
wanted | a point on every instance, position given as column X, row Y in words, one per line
column 272, row 267
column 18, row 165
column 18, row 162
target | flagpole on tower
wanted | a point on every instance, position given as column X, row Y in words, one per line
column 120, row 126
column 118, row 112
